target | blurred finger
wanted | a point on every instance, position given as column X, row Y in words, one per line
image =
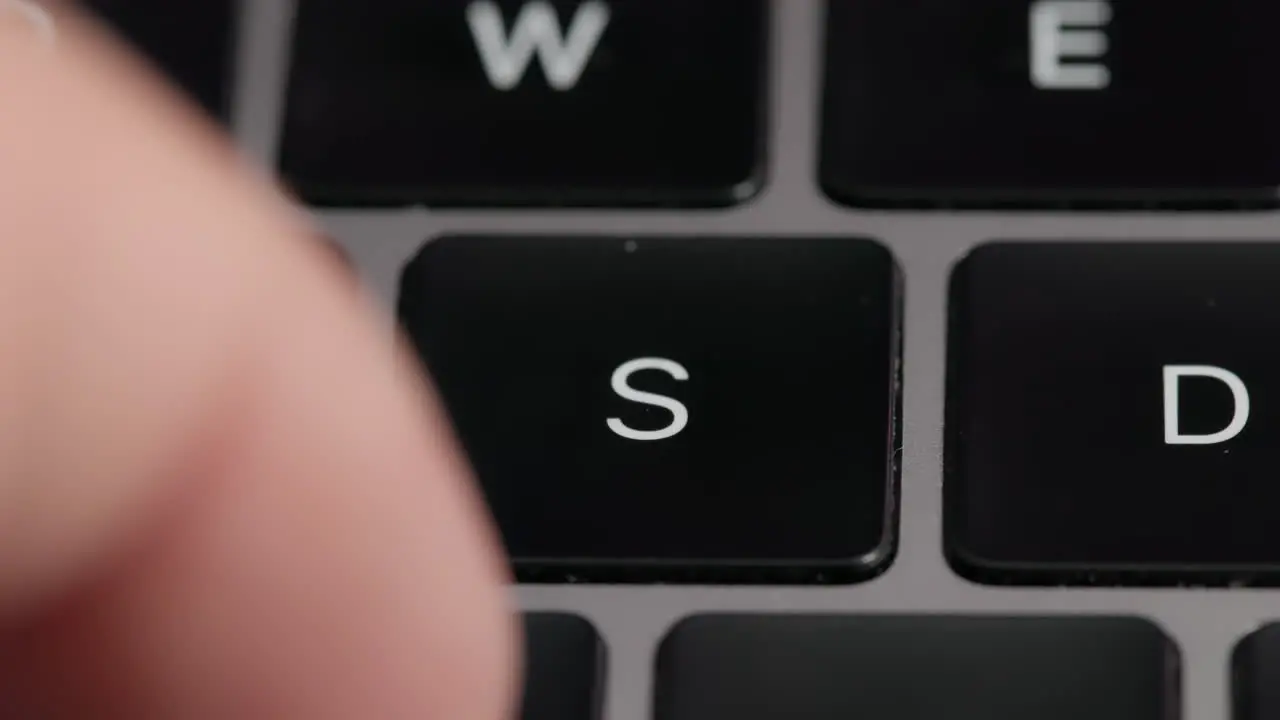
column 224, row 492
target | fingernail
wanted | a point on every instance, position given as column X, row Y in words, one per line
column 29, row 20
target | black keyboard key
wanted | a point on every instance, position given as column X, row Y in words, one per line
column 1052, row 102
column 192, row 41
column 1112, row 413
column 563, row 668
column 526, row 102
column 790, row 667
column 1255, row 666
column 671, row 409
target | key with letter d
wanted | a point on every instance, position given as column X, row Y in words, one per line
column 1112, row 413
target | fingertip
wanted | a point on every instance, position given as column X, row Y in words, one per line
column 245, row 498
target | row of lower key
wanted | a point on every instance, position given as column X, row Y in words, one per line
column 890, row 667
column 665, row 102
column 727, row 409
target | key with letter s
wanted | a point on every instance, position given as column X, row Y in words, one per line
column 670, row 409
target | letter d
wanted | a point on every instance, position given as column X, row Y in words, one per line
column 1172, row 374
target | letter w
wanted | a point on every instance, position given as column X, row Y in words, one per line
column 506, row 59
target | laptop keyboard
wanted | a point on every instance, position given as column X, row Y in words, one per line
column 819, row 359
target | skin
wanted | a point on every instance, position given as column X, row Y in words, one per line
column 225, row 489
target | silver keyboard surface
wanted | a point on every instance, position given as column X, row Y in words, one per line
column 1205, row 624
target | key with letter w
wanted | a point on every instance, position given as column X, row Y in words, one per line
column 506, row 57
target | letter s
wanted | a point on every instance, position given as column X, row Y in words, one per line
column 677, row 409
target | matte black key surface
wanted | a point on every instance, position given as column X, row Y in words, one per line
column 670, row 409
column 1112, row 413
column 1048, row 102
column 563, row 669
column 1255, row 676
column 797, row 667
column 526, row 102
column 190, row 40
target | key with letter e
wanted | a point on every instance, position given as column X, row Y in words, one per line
column 1124, row 104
